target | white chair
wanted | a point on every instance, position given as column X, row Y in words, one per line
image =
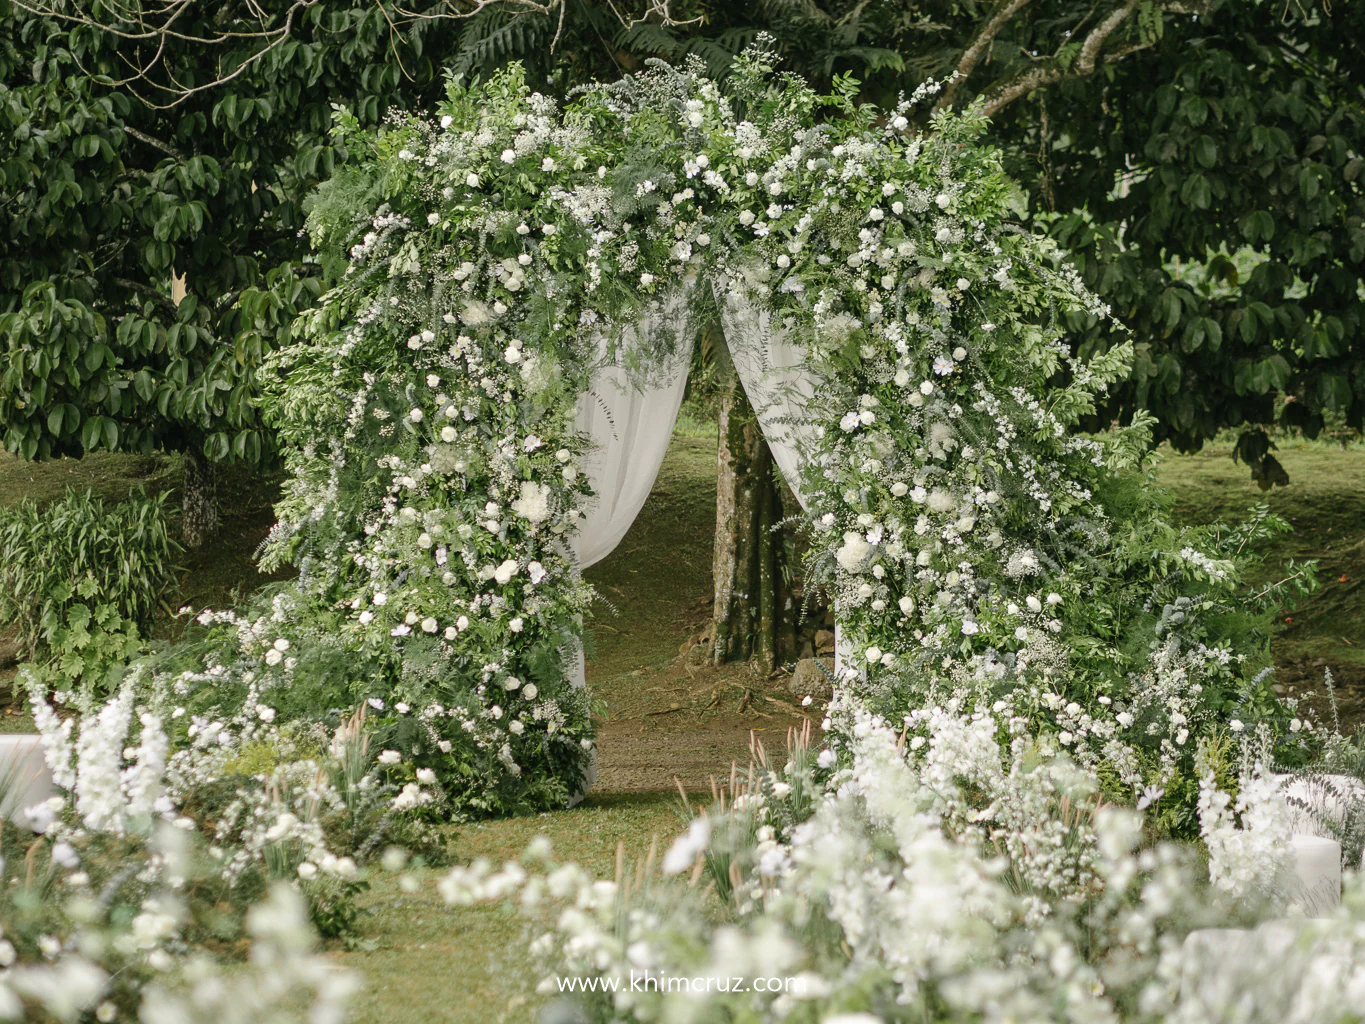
column 24, row 777
column 1313, row 882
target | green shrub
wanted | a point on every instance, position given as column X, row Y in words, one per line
column 81, row 580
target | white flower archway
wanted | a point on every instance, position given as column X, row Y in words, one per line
column 479, row 409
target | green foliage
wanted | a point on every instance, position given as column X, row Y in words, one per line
column 109, row 191
column 86, row 648
column 1241, row 157
column 81, row 580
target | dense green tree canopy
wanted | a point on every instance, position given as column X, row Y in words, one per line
column 108, row 190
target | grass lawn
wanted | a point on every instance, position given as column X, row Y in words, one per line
column 422, row 961
column 1325, row 503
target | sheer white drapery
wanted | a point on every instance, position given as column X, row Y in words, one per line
column 630, row 423
column 772, row 368
column 780, row 386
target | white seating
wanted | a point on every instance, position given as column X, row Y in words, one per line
column 1314, row 802
column 1313, row 883
column 24, row 777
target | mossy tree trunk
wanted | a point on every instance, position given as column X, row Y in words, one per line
column 198, row 499
column 754, row 609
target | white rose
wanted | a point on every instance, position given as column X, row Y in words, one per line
column 853, row 552
column 506, row 571
column 874, row 655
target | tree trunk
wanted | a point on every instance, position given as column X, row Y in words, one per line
column 199, row 500
column 754, row 610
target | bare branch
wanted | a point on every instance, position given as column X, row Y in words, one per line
column 147, row 290
column 973, row 54
column 165, row 147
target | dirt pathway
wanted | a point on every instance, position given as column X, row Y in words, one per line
column 668, row 713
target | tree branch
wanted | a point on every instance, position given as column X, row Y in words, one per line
column 1089, row 56
column 1083, row 66
column 973, row 54
column 147, row 290
column 165, row 147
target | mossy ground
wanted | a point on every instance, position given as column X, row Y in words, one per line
column 423, row 961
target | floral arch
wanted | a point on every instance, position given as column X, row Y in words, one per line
column 479, row 407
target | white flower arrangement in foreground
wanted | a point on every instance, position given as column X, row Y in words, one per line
column 892, row 902
column 123, row 874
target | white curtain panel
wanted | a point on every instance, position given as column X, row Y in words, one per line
column 630, row 422
column 771, row 366
column 630, row 427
